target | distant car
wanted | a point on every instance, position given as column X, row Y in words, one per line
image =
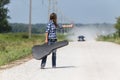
column 81, row 38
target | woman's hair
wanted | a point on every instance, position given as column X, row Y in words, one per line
column 53, row 17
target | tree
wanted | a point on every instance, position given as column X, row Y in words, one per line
column 4, row 25
column 117, row 25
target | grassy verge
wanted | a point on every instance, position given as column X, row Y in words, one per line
column 14, row 46
column 110, row 38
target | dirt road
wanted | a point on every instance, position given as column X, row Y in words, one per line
column 77, row 61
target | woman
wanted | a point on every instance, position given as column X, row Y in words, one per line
column 51, row 38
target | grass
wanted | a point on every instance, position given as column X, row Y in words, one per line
column 14, row 46
column 110, row 38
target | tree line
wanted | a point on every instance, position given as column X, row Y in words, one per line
column 5, row 26
column 36, row 28
column 20, row 27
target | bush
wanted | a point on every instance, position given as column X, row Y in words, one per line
column 111, row 38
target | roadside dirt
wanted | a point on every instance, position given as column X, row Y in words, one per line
column 16, row 63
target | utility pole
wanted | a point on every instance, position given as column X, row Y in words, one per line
column 30, row 18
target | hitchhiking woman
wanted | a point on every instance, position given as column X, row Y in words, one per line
column 51, row 38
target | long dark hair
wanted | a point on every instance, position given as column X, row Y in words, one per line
column 53, row 17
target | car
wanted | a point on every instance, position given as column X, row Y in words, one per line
column 81, row 38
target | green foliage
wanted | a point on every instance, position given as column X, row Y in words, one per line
column 36, row 28
column 4, row 25
column 20, row 27
column 61, row 36
column 14, row 46
column 117, row 26
column 4, row 2
column 114, row 37
column 111, row 38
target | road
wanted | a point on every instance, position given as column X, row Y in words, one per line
column 77, row 61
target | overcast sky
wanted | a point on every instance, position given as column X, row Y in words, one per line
column 79, row 11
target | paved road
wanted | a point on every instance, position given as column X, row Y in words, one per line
column 77, row 61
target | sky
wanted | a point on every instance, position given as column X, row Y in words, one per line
column 77, row 11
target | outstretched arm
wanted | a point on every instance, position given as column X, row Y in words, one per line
column 46, row 37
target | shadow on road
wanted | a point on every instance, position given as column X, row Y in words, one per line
column 59, row 67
